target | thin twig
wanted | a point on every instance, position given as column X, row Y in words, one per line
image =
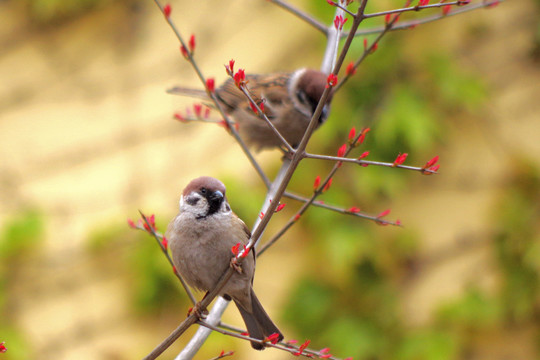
column 412, row 8
column 266, row 119
column 281, row 346
column 402, row 25
column 338, row 209
column 367, row 162
column 368, row 50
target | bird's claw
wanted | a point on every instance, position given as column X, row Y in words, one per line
column 198, row 311
column 236, row 266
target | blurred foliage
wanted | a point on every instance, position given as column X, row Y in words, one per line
column 517, row 244
column 151, row 281
column 20, row 237
column 49, row 12
column 56, row 12
column 349, row 298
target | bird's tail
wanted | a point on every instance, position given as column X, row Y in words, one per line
column 258, row 323
column 196, row 93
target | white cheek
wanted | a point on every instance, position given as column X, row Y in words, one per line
column 225, row 208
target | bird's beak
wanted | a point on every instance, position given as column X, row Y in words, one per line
column 216, row 196
column 324, row 114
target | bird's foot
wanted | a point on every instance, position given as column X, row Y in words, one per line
column 236, row 266
column 199, row 311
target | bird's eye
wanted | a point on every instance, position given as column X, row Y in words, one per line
column 302, row 97
column 203, row 191
column 307, row 100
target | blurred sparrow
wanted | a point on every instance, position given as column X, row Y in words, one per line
column 290, row 99
column 201, row 237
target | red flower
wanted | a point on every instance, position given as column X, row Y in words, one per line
column 296, row 217
column 246, row 251
column 365, row 44
column 383, row 214
column 493, row 4
column 197, row 108
column 341, row 150
column 364, row 155
column 131, row 224
column 387, row 19
column 174, row 269
column 400, row 159
column 331, row 2
column 398, row 222
column 191, row 43
column 352, row 134
column 235, row 249
column 423, row 2
column 211, row 84
column 253, row 107
column 184, row 51
column 3, row 348
column 301, row 348
column 179, row 117
column 374, row 47
column 273, row 338
column 324, row 351
column 240, row 77
column 332, row 80
column 280, row 207
column 261, row 215
column 230, row 68
column 206, row 112
column 317, row 182
column 165, row 243
column 431, row 162
column 327, row 186
column 362, row 136
column 351, row 70
column 339, row 21
column 354, row 210
column 150, row 220
column 446, row 9
column 167, row 10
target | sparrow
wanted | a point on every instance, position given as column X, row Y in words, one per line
column 289, row 101
column 201, row 237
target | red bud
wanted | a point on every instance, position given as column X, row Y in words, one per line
column 211, row 84
column 191, row 43
column 383, row 214
column 167, row 10
column 351, row 70
column 342, row 150
column 317, row 182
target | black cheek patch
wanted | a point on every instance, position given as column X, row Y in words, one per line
column 192, row 200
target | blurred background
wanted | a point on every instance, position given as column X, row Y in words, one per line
column 87, row 138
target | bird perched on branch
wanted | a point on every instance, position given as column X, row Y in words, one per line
column 201, row 237
column 289, row 101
